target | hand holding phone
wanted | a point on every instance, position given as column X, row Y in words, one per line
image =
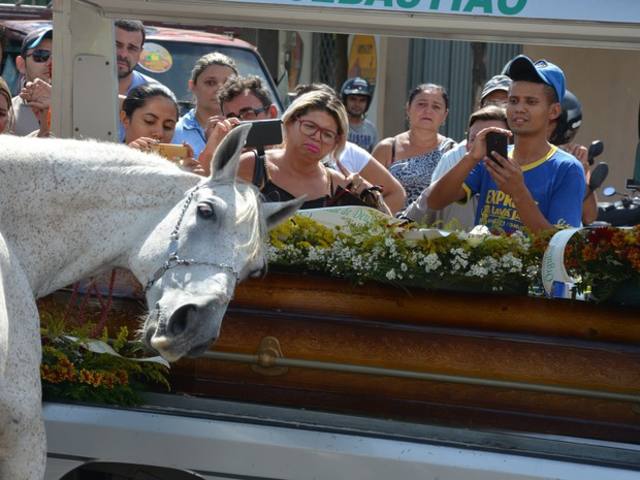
column 496, row 142
column 171, row 151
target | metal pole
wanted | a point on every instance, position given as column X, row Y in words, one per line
column 434, row 377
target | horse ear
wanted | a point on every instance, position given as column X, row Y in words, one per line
column 277, row 212
column 225, row 161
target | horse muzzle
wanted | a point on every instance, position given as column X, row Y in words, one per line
column 186, row 329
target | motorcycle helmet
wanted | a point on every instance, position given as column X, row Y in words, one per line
column 569, row 120
column 356, row 86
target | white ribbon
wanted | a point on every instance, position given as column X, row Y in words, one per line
column 553, row 269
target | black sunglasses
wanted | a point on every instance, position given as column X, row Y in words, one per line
column 40, row 56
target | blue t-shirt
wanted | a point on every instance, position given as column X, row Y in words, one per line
column 556, row 182
column 188, row 130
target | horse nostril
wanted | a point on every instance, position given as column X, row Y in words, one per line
column 180, row 319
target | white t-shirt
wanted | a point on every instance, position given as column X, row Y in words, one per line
column 448, row 160
column 353, row 158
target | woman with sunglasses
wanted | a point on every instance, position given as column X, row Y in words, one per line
column 315, row 125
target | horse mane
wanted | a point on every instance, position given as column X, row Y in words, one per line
column 251, row 201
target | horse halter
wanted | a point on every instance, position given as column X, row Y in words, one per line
column 174, row 259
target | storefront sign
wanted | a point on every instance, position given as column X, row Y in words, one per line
column 363, row 61
column 613, row 11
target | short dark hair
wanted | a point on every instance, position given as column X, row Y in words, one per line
column 235, row 86
column 131, row 26
column 488, row 113
column 429, row 86
column 138, row 96
column 303, row 88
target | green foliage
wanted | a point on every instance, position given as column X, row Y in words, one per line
column 70, row 371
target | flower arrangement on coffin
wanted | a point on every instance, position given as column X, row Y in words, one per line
column 606, row 261
column 77, row 368
column 404, row 255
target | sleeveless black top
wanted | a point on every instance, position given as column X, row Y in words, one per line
column 273, row 193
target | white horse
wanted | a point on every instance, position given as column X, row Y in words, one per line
column 69, row 208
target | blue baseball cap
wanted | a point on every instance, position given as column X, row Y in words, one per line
column 33, row 39
column 523, row 68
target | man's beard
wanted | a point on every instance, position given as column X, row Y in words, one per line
column 127, row 72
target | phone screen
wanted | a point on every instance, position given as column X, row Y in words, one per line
column 264, row 132
column 496, row 142
column 171, row 151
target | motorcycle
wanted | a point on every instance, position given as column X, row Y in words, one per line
column 624, row 212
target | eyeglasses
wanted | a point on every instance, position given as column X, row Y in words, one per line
column 248, row 113
column 309, row 128
column 40, row 56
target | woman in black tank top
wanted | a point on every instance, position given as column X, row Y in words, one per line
column 315, row 126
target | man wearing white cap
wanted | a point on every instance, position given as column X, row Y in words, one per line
column 537, row 186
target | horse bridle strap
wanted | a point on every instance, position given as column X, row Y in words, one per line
column 174, row 259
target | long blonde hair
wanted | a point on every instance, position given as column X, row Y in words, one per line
column 317, row 100
column 6, row 93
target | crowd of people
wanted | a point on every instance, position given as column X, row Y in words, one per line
column 330, row 151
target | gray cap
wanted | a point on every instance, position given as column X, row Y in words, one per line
column 34, row 38
column 497, row 82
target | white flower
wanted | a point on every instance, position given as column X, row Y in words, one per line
column 480, row 230
column 477, row 235
column 431, row 262
column 391, row 274
column 460, row 259
column 511, row 263
column 477, row 270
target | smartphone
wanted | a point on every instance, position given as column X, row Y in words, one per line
column 496, row 142
column 264, row 132
column 171, row 151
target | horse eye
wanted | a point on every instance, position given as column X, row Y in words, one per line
column 206, row 210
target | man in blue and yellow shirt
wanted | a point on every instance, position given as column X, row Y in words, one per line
column 538, row 185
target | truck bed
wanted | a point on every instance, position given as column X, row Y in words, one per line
column 222, row 439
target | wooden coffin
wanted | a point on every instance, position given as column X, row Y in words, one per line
column 486, row 361
column 474, row 360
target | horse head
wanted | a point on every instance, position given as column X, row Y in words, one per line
column 211, row 240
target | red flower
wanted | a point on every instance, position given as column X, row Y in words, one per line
column 633, row 255
column 602, row 234
column 589, row 253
